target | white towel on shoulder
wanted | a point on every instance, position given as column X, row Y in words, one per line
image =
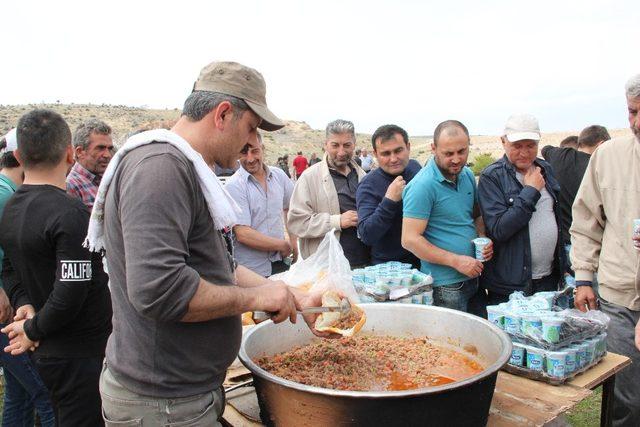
column 224, row 210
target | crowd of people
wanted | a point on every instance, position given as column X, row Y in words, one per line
column 125, row 272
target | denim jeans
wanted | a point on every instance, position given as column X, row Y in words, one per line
column 457, row 296
column 23, row 391
column 122, row 407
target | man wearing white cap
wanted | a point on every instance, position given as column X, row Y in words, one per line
column 518, row 197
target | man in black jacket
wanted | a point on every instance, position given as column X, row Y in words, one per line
column 56, row 286
column 569, row 166
column 518, row 197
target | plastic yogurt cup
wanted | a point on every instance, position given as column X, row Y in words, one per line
column 480, row 243
column 591, row 351
column 551, row 327
column 556, row 363
column 601, row 346
column 416, row 299
column 570, row 360
column 517, row 355
column 495, row 315
column 512, row 323
column 581, row 354
column 535, row 358
column 427, row 298
column 531, row 325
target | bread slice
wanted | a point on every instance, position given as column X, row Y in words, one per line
column 346, row 325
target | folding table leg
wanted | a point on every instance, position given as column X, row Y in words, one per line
column 606, row 410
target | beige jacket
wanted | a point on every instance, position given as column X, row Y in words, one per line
column 602, row 228
column 314, row 209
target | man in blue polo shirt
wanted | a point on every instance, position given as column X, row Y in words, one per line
column 441, row 218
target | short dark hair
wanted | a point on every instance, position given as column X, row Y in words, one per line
column 387, row 132
column 9, row 161
column 43, row 136
column 570, row 141
column 299, row 153
column 448, row 124
column 202, row 102
column 592, row 135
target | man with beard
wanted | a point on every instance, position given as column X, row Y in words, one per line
column 441, row 218
column 93, row 149
column 263, row 193
column 602, row 240
column 379, row 196
column 324, row 197
column 163, row 218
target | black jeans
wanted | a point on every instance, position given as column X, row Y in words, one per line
column 73, row 388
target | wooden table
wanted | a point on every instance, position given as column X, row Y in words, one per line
column 516, row 401
column 604, row 373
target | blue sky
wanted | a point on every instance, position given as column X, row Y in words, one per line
column 414, row 63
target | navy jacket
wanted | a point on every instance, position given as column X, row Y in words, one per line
column 507, row 207
column 380, row 219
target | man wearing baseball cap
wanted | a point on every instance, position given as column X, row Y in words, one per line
column 177, row 292
column 518, row 197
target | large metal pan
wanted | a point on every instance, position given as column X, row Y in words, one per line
column 463, row 403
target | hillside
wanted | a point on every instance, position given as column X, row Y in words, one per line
column 296, row 136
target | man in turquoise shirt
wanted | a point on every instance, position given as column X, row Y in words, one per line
column 441, row 219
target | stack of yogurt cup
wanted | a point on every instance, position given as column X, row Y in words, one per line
column 546, row 341
column 374, row 283
column 561, row 363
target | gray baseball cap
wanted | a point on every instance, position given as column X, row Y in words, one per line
column 242, row 82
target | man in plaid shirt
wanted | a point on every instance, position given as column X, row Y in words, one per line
column 93, row 149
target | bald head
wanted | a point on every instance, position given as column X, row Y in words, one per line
column 450, row 128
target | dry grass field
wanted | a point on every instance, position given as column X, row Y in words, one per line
column 296, row 136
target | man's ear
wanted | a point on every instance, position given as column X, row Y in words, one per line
column 433, row 148
column 221, row 115
column 16, row 154
column 70, row 154
column 77, row 151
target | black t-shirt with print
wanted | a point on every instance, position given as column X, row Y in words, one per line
column 45, row 265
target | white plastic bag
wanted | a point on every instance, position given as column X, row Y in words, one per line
column 326, row 269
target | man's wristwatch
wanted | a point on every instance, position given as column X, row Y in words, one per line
column 583, row 283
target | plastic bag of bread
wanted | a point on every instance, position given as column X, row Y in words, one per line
column 327, row 269
column 345, row 324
